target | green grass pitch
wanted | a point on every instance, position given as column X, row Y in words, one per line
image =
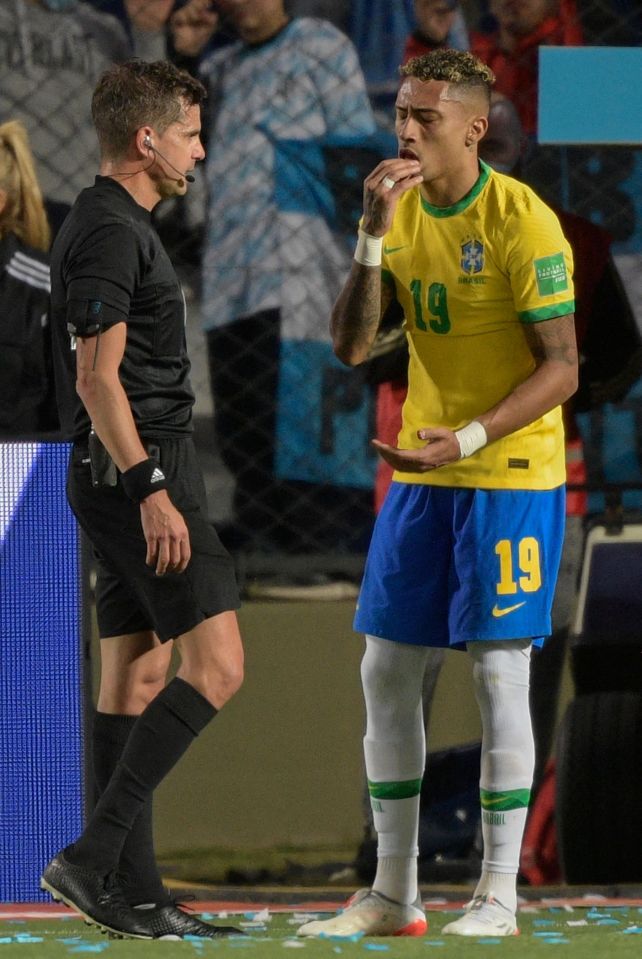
column 593, row 933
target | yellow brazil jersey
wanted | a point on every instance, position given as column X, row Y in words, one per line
column 469, row 277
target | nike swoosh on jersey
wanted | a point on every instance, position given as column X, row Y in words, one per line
column 497, row 611
column 393, row 249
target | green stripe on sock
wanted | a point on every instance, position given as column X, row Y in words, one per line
column 402, row 790
column 501, row 802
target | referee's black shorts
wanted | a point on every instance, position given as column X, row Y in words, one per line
column 130, row 597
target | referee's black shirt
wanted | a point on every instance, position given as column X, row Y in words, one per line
column 109, row 266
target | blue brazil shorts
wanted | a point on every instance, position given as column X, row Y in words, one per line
column 130, row 597
column 450, row 566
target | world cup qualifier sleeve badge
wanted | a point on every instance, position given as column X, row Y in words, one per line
column 472, row 256
column 551, row 275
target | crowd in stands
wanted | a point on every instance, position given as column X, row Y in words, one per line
column 52, row 51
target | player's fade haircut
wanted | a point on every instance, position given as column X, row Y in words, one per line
column 134, row 93
column 457, row 67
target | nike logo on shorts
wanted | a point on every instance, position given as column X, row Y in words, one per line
column 498, row 611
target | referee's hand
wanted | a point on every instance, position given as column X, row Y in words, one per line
column 166, row 535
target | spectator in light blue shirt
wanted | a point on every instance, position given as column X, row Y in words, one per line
column 283, row 79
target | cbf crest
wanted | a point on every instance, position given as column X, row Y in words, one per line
column 472, row 256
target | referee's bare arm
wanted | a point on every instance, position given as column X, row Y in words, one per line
column 357, row 312
column 98, row 385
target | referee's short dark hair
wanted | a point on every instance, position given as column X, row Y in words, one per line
column 134, row 93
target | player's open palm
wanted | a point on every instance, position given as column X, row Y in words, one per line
column 442, row 447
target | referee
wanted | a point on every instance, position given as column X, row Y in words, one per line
column 163, row 578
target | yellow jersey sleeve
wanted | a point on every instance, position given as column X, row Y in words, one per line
column 539, row 262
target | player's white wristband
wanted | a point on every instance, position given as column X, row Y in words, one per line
column 368, row 251
column 471, row 438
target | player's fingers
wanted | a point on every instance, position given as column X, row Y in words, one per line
column 378, row 172
column 406, row 461
column 391, row 171
column 388, row 453
column 428, row 434
column 408, row 183
column 394, row 451
column 378, row 445
column 400, row 175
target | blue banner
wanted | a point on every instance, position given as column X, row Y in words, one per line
column 325, row 416
column 326, row 419
column 41, row 695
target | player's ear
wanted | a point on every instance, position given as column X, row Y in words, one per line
column 476, row 130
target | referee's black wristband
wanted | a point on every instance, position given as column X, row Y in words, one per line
column 143, row 479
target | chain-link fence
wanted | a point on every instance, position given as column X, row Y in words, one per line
column 264, row 239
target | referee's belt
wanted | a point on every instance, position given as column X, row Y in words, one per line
column 80, row 451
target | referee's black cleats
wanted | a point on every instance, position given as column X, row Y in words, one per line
column 170, row 922
column 98, row 899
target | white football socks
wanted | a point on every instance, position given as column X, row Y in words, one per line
column 395, row 754
column 501, row 677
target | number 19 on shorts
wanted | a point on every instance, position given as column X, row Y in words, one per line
column 519, row 566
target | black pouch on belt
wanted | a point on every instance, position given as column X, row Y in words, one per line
column 103, row 468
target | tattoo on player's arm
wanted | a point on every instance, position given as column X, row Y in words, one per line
column 374, row 215
column 553, row 340
column 359, row 310
column 370, row 314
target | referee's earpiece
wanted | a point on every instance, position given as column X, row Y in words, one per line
column 147, row 142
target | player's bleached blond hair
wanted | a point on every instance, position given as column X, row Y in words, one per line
column 456, row 67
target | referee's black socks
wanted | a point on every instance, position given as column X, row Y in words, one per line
column 157, row 740
column 138, row 873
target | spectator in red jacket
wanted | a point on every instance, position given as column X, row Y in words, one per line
column 512, row 49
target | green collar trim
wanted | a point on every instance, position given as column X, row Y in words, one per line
column 473, row 193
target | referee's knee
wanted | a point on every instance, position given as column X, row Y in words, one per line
column 216, row 682
column 228, row 679
column 212, row 658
